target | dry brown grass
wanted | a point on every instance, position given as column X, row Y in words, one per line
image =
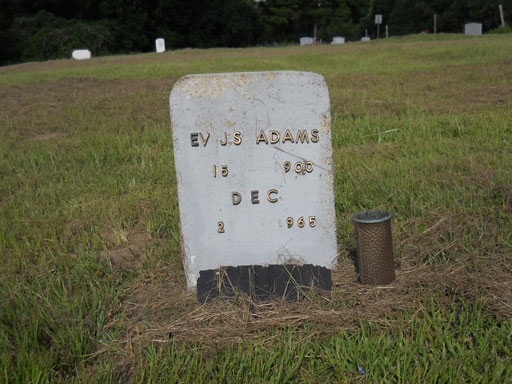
column 160, row 310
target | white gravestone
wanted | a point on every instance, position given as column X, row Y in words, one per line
column 474, row 29
column 160, row 45
column 338, row 40
column 253, row 160
column 306, row 41
column 365, row 38
column 81, row 54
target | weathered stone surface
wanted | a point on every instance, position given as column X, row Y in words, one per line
column 253, row 159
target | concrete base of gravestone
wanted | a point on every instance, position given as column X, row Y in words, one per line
column 258, row 282
column 366, row 38
column 338, row 40
column 473, row 29
column 374, row 245
column 160, row 45
column 81, row 54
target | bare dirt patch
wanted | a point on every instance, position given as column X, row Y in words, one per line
column 129, row 249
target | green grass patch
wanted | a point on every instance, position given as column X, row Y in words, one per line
column 458, row 345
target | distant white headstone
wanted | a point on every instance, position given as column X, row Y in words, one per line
column 338, row 40
column 473, row 29
column 81, row 54
column 306, row 40
column 160, row 45
column 365, row 38
column 253, row 160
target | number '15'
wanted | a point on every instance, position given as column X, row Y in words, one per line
column 223, row 170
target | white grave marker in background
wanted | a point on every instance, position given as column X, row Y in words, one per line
column 253, row 160
column 306, row 41
column 160, row 45
column 338, row 40
column 81, row 54
column 473, row 29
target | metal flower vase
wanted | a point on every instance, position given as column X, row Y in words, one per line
column 374, row 246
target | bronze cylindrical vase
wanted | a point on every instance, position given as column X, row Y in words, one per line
column 374, row 246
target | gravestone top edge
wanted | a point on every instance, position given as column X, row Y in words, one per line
column 183, row 81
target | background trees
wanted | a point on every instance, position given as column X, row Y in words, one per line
column 47, row 29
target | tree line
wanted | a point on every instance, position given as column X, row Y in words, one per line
column 49, row 29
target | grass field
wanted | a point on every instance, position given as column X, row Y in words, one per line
column 92, row 287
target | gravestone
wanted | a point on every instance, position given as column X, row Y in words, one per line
column 306, row 41
column 81, row 54
column 338, row 40
column 473, row 29
column 365, row 38
column 160, row 45
column 253, row 160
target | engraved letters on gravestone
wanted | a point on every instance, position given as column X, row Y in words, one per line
column 253, row 160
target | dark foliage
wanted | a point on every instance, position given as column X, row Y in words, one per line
column 49, row 29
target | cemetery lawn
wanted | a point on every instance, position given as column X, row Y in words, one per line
column 92, row 287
